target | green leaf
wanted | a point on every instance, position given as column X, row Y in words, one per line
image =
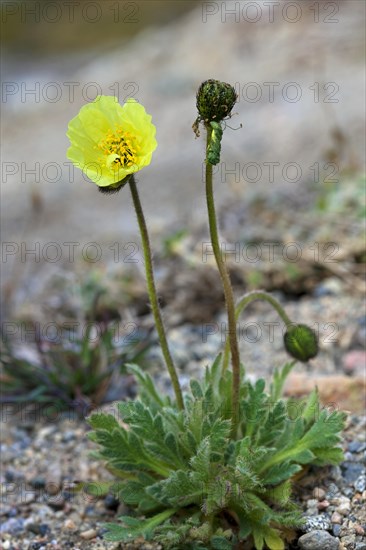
column 279, row 379
column 98, row 488
column 146, row 384
column 311, row 410
column 258, row 539
column 323, row 457
column 196, row 389
column 220, row 543
column 281, row 493
column 135, row 527
column 273, row 540
column 280, row 472
column 180, row 489
column 102, row 421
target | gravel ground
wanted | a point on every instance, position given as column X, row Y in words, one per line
column 42, row 460
column 44, row 455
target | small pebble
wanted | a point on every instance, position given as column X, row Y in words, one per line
column 360, row 483
column 38, row 483
column 336, row 518
column 336, row 530
column 360, row 546
column 69, row 435
column 70, row 525
column 359, row 529
column 319, row 493
column 89, row 534
column 348, row 492
column 318, row 540
column 38, row 528
column 315, row 523
column 329, row 287
column 344, row 507
column 111, row 503
column 12, row 526
column 356, row 446
column 349, row 541
column 56, row 503
column 352, row 470
column 323, row 505
column 354, row 362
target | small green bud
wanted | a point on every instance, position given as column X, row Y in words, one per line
column 301, row 342
column 215, row 100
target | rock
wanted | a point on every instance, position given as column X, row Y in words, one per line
column 318, row 540
column 351, row 471
column 359, row 529
column 70, row 525
column 68, row 436
column 57, row 502
column 360, row 483
column 348, row 393
column 349, row 542
column 319, row 493
column 12, row 526
column 336, row 530
column 89, row 534
column 329, row 287
column 111, row 503
column 354, row 362
column 315, row 523
column 54, row 478
column 37, row 546
column 348, row 492
column 360, row 546
column 344, row 506
column 6, row 510
column 356, row 446
column 38, row 528
column 38, row 483
column 323, row 505
column 336, row 518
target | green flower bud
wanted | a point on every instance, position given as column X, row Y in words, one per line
column 301, row 342
column 215, row 100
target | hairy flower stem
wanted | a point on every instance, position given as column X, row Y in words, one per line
column 152, row 293
column 244, row 302
column 228, row 291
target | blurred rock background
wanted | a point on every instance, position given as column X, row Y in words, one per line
column 298, row 68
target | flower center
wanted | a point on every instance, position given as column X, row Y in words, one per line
column 119, row 149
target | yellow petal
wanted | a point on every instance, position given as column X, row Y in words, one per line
column 105, row 132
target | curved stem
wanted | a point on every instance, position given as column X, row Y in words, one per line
column 228, row 291
column 152, row 292
column 244, row 302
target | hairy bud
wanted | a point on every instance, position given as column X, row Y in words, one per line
column 301, row 342
column 215, row 100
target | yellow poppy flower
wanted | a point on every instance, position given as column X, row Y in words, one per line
column 109, row 142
